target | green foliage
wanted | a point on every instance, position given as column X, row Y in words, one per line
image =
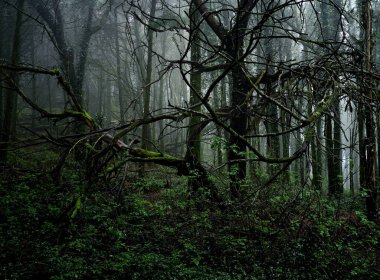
column 218, row 142
column 276, row 233
column 149, row 184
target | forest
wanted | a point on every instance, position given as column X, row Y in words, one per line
column 189, row 139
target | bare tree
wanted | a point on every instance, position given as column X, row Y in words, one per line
column 10, row 109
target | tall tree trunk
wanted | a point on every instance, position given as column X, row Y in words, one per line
column 301, row 160
column 333, row 146
column 330, row 154
column 351, row 159
column 107, row 103
column 239, row 120
column 331, row 19
column 337, row 153
column 34, row 85
column 146, row 141
column 118, row 73
column 100, row 103
column 317, row 157
column 233, row 41
column 2, row 56
column 271, row 122
column 239, row 116
column 50, row 98
column 193, row 153
column 220, row 134
column 74, row 69
column 83, row 53
column 10, row 112
column 369, row 144
column 161, row 96
column 316, row 168
column 285, row 121
column 285, row 54
column 377, row 120
column 361, row 136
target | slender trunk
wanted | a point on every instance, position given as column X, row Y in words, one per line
column 271, row 123
column 219, row 132
column 337, row 156
column 118, row 73
column 351, row 160
column 107, row 103
column 216, row 104
column 2, row 56
column 301, row 161
column 285, row 119
column 87, row 95
column 83, row 52
column 100, row 111
column 10, row 113
column 360, row 118
column 34, row 86
column 316, row 149
column 223, row 103
column 273, row 143
column 369, row 168
column 146, row 141
column 161, row 97
column 161, row 122
column 239, row 119
column 368, row 143
column 50, row 97
column 330, row 154
column 285, row 53
column 378, row 149
column 319, row 157
column 333, row 146
column 193, row 152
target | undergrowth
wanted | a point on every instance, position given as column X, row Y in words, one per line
column 154, row 229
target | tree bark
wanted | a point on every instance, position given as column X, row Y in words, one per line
column 162, row 93
column 118, row 73
column 34, row 82
column 73, row 68
column 233, row 41
column 2, row 56
column 317, row 157
column 193, row 153
column 146, row 133
column 10, row 112
column 369, row 144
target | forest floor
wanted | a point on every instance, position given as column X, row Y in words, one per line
column 152, row 228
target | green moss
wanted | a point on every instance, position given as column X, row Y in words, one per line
column 86, row 117
column 91, row 148
column 139, row 152
column 146, row 153
column 77, row 207
column 56, row 71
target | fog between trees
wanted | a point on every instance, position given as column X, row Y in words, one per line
column 189, row 139
column 262, row 92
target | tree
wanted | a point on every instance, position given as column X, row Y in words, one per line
column 10, row 109
column 368, row 142
column 146, row 138
column 73, row 59
column 233, row 42
column 330, row 32
column 193, row 153
column 118, row 73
